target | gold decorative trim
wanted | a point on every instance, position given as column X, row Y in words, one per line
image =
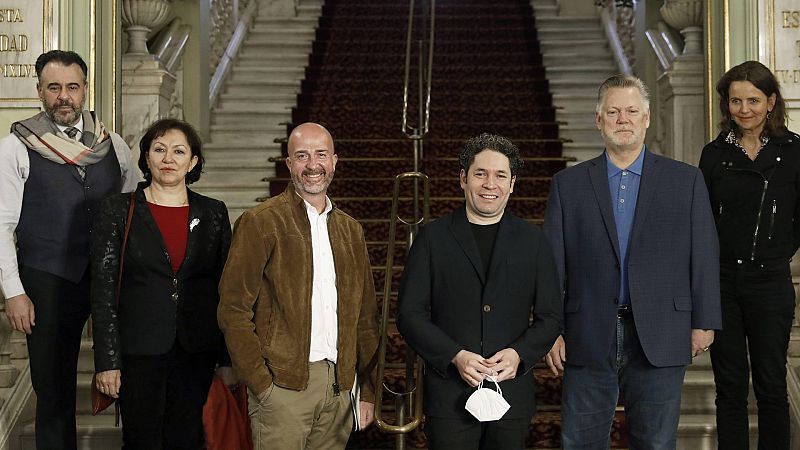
column 47, row 25
column 770, row 24
column 726, row 32
column 93, row 54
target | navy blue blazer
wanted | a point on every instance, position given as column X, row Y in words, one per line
column 446, row 304
column 673, row 260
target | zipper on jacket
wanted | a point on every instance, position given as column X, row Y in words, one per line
column 758, row 219
column 772, row 218
column 720, row 208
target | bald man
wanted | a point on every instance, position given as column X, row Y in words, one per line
column 298, row 307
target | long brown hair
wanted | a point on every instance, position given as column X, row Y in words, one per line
column 763, row 79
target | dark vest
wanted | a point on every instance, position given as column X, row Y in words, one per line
column 57, row 212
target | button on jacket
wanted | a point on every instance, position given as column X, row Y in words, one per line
column 265, row 307
column 755, row 203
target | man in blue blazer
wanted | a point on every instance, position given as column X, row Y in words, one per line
column 479, row 297
column 636, row 249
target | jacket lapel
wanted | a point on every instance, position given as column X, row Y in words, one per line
column 195, row 227
column 502, row 242
column 142, row 211
column 647, row 188
column 598, row 174
column 463, row 235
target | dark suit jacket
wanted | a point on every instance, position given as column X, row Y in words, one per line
column 446, row 305
column 673, row 260
column 148, row 319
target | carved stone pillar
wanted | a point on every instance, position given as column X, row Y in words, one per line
column 139, row 18
column 680, row 87
column 146, row 90
column 146, row 85
column 686, row 16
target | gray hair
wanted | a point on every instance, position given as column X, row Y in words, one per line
column 623, row 81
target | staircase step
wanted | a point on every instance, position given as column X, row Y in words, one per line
column 698, row 431
column 302, row 22
column 239, row 199
column 548, row 34
column 279, row 60
column 576, row 101
column 563, row 57
column 561, row 76
column 94, row 432
column 254, row 49
column 576, row 22
column 234, row 178
column 572, row 117
column 248, row 118
column 277, row 34
column 286, row 86
column 580, row 133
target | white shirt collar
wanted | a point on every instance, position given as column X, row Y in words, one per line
column 313, row 209
column 78, row 125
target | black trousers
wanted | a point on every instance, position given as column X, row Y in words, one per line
column 162, row 398
column 470, row 434
column 758, row 303
column 61, row 308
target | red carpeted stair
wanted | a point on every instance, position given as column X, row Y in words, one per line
column 487, row 77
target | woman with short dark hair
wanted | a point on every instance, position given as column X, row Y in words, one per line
column 752, row 170
column 158, row 343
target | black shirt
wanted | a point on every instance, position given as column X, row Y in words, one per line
column 484, row 236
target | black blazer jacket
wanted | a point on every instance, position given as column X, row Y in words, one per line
column 149, row 316
column 447, row 304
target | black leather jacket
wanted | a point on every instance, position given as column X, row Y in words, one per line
column 156, row 306
column 755, row 203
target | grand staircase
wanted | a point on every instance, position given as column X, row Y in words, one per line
column 577, row 59
column 490, row 81
column 520, row 72
column 255, row 106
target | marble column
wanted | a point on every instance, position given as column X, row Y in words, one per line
column 139, row 18
column 146, row 84
column 147, row 89
column 680, row 87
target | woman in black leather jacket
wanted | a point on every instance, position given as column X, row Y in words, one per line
column 157, row 348
column 752, row 170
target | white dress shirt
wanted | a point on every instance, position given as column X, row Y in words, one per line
column 324, row 323
column 14, row 169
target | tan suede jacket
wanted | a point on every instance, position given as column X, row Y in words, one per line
column 265, row 297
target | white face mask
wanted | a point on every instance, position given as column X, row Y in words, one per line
column 487, row 404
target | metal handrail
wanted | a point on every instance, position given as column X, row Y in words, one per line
column 424, row 78
column 607, row 16
column 226, row 62
column 411, row 399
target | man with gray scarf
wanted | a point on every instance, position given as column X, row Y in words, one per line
column 54, row 168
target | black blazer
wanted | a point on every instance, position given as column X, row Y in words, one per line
column 148, row 318
column 446, row 304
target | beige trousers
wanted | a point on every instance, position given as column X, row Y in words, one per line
column 313, row 419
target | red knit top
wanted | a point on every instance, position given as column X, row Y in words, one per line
column 173, row 222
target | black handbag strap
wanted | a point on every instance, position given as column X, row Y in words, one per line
column 124, row 245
